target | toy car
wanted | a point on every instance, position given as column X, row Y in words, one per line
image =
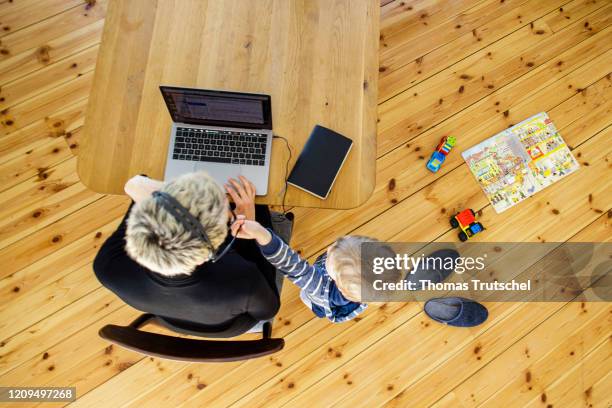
column 439, row 155
column 466, row 221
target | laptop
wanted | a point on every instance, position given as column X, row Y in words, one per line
column 227, row 134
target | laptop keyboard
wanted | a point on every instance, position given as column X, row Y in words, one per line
column 220, row 146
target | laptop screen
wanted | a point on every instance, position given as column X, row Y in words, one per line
column 218, row 108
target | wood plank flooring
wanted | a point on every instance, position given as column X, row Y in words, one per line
column 470, row 68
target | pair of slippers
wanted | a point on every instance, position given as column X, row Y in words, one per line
column 453, row 311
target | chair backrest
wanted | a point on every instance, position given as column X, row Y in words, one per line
column 183, row 349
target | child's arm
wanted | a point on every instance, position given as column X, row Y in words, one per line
column 281, row 256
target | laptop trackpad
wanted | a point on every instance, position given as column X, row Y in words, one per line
column 177, row 168
column 222, row 173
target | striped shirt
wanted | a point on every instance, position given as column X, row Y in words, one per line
column 315, row 283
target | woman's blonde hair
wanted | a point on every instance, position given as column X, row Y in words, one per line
column 157, row 241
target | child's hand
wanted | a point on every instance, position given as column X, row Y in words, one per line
column 247, row 229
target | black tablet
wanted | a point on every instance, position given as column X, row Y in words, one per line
column 319, row 163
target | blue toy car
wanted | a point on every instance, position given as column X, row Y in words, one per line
column 435, row 161
column 438, row 156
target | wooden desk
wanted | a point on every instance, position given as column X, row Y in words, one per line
column 318, row 59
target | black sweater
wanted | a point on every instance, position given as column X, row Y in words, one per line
column 241, row 282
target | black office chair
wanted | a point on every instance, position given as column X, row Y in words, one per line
column 195, row 350
column 185, row 349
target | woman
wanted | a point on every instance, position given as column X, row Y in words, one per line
column 172, row 255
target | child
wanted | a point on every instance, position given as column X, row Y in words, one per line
column 331, row 287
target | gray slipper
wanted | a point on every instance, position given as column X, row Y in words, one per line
column 456, row 311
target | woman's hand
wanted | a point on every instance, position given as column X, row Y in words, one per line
column 243, row 194
column 141, row 187
column 247, row 229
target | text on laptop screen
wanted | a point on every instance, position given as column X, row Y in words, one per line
column 218, row 108
column 225, row 109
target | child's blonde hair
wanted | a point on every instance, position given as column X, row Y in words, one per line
column 344, row 265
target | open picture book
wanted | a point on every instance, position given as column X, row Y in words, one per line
column 520, row 161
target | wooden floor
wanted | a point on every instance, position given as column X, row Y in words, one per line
column 469, row 68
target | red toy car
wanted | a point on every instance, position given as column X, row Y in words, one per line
column 466, row 221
